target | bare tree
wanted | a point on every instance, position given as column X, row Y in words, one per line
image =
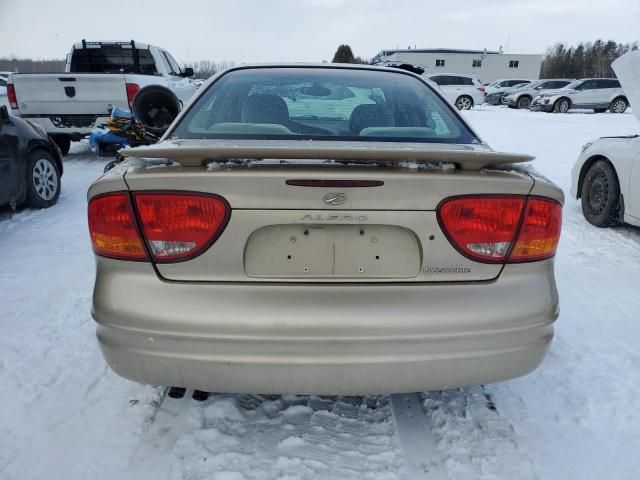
column 26, row 65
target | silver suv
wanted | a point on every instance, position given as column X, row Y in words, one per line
column 598, row 94
column 522, row 97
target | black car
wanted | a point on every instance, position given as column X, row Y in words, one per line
column 30, row 164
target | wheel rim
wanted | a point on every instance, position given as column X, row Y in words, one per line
column 524, row 103
column 45, row 180
column 598, row 193
column 564, row 106
column 619, row 106
column 464, row 103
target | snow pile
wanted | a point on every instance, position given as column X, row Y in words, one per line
column 63, row 414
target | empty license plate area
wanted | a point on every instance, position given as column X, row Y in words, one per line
column 340, row 251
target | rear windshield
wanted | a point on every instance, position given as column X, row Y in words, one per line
column 113, row 59
column 323, row 104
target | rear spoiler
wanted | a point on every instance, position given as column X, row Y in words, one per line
column 193, row 153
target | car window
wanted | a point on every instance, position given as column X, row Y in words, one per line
column 3, row 82
column 588, row 85
column 113, row 59
column 174, row 68
column 438, row 80
column 323, row 104
column 609, row 83
column 455, row 80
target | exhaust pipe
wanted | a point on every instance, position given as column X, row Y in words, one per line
column 199, row 395
column 177, row 392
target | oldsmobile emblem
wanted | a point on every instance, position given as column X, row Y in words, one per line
column 334, row 198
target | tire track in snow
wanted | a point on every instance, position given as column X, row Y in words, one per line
column 416, row 438
column 473, row 439
column 255, row 437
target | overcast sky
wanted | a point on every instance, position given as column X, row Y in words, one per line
column 310, row 30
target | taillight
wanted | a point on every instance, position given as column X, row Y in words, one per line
column 481, row 89
column 499, row 229
column 540, row 231
column 180, row 226
column 113, row 229
column 132, row 90
column 11, row 96
column 175, row 226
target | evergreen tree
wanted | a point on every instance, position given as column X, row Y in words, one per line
column 344, row 55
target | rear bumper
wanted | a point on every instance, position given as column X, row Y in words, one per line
column 75, row 132
column 323, row 339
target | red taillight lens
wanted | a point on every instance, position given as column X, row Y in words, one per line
column 482, row 228
column 540, row 231
column 132, row 90
column 113, row 228
column 498, row 229
column 11, row 96
column 180, row 226
column 481, row 89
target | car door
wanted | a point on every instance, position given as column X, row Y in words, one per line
column 610, row 89
column 601, row 93
column 181, row 86
column 585, row 94
column 460, row 86
column 445, row 84
column 8, row 167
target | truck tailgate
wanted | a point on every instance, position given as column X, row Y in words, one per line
column 69, row 93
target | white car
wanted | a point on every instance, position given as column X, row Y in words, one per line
column 606, row 176
column 599, row 94
column 503, row 84
column 464, row 91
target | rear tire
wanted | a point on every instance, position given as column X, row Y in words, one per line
column 562, row 105
column 600, row 195
column 63, row 142
column 464, row 102
column 619, row 105
column 524, row 102
column 43, row 180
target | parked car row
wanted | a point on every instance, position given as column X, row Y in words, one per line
column 549, row 95
column 599, row 94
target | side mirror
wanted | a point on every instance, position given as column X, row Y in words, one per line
column 4, row 114
column 187, row 72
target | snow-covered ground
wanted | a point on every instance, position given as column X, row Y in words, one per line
column 63, row 414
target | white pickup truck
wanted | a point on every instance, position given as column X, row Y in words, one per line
column 98, row 76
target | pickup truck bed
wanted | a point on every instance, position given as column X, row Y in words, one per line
column 63, row 101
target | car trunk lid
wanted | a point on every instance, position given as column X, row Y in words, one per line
column 328, row 222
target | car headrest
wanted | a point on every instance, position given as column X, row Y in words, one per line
column 370, row 115
column 265, row 109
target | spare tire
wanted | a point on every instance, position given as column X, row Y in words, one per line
column 155, row 107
